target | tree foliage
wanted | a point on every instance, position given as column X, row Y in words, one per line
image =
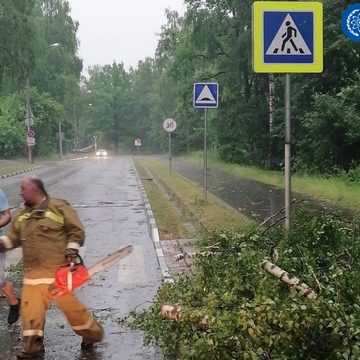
column 212, row 41
column 254, row 316
column 29, row 30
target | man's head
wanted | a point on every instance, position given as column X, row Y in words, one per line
column 32, row 190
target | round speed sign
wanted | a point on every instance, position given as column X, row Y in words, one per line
column 169, row 125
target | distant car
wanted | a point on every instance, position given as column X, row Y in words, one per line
column 101, row 153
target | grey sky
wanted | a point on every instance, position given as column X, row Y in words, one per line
column 121, row 30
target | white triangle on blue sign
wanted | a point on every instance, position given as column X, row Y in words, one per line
column 288, row 40
column 205, row 96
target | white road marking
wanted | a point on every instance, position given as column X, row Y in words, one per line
column 132, row 268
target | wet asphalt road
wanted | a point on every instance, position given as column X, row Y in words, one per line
column 109, row 202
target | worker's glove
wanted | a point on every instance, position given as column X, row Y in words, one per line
column 71, row 256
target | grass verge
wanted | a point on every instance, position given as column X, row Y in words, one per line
column 13, row 165
column 168, row 221
column 10, row 166
column 334, row 190
column 189, row 197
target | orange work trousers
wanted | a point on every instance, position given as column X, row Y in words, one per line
column 34, row 304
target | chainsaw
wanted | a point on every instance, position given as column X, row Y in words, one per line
column 75, row 274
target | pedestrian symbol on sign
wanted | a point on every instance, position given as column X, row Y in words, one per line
column 288, row 40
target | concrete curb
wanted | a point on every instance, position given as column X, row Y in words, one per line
column 154, row 232
column 21, row 171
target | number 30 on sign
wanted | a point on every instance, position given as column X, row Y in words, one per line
column 169, row 125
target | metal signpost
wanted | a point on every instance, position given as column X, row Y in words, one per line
column 169, row 125
column 206, row 96
column 287, row 38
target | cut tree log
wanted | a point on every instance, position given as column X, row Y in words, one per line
column 189, row 255
column 173, row 312
column 288, row 279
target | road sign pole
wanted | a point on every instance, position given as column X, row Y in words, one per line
column 169, row 125
column 287, row 154
column 170, row 152
column 205, row 157
column 206, row 96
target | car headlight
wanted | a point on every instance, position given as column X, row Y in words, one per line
column 105, row 153
column 97, row 153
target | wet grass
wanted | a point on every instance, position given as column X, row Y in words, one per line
column 10, row 166
column 190, row 198
column 335, row 190
column 168, row 221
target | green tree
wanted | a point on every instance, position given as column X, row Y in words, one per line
column 110, row 105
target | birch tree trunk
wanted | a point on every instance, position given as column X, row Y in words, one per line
column 289, row 279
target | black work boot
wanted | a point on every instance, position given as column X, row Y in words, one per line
column 14, row 313
column 86, row 344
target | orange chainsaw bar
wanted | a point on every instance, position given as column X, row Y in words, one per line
column 70, row 277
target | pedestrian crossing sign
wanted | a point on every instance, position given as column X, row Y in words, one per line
column 287, row 37
column 206, row 95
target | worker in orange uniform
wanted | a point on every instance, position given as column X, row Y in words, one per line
column 50, row 233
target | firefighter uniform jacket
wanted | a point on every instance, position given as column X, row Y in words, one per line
column 44, row 234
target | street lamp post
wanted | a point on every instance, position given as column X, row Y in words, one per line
column 56, row 45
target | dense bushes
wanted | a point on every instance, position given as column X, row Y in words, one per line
column 255, row 316
column 12, row 129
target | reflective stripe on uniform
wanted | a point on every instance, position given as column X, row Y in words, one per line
column 52, row 216
column 23, row 217
column 73, row 245
column 40, row 281
column 86, row 326
column 47, row 214
column 33, row 332
column 6, row 242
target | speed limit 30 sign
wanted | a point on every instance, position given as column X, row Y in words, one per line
column 169, row 125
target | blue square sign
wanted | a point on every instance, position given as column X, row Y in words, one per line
column 206, row 95
column 288, row 37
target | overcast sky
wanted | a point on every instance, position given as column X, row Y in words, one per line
column 121, row 30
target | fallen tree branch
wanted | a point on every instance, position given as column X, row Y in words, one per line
column 190, row 255
column 173, row 312
column 184, row 254
column 281, row 211
column 285, row 277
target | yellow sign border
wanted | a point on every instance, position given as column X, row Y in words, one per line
column 258, row 29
